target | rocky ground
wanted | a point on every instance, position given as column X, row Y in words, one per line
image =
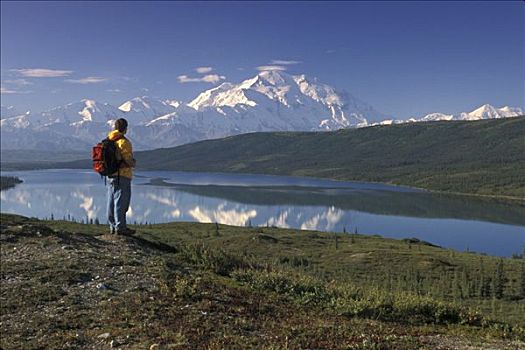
column 71, row 290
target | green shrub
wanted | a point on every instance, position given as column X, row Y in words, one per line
column 353, row 301
column 217, row 260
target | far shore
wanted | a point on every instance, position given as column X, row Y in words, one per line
column 14, row 167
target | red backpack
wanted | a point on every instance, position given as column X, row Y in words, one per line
column 104, row 156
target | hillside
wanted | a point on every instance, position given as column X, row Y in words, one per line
column 482, row 157
column 203, row 286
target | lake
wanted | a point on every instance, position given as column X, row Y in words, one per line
column 459, row 222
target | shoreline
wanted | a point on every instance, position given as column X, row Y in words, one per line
column 408, row 240
column 500, row 198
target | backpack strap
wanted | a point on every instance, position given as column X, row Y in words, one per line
column 119, row 137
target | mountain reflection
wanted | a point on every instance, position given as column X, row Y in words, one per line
column 91, row 211
column 234, row 216
column 325, row 221
column 421, row 204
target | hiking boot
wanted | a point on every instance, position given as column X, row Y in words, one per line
column 126, row 232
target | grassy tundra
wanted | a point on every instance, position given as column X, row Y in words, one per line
column 190, row 285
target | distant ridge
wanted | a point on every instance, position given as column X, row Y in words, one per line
column 482, row 157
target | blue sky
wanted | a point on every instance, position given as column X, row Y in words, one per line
column 404, row 58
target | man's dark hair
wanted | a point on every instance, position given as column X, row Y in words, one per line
column 121, row 124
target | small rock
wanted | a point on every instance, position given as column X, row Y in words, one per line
column 113, row 344
column 102, row 286
column 154, row 347
column 103, row 335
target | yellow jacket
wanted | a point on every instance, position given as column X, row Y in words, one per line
column 125, row 154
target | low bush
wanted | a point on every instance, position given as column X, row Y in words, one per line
column 217, row 260
column 356, row 301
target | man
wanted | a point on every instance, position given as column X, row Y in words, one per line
column 119, row 191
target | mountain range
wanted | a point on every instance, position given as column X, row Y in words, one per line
column 269, row 101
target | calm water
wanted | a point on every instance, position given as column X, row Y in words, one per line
column 398, row 212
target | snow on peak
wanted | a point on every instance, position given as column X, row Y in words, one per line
column 319, row 92
column 126, row 106
column 437, row 116
column 485, row 111
column 269, row 84
column 135, row 103
column 316, row 105
column 89, row 103
column 511, row 111
column 142, row 110
column 173, row 103
column 275, row 77
column 490, row 112
column 226, row 94
column 90, row 110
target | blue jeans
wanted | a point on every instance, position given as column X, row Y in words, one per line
column 119, row 196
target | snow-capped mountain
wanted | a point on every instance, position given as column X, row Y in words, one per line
column 286, row 102
column 140, row 110
column 484, row 112
column 269, row 101
column 72, row 114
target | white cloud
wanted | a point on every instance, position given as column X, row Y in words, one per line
column 203, row 70
column 210, row 78
column 213, row 78
column 19, row 82
column 271, row 67
column 284, row 62
column 5, row 90
column 113, row 90
column 87, row 80
column 42, row 72
column 330, row 51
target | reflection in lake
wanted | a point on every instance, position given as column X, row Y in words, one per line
column 450, row 221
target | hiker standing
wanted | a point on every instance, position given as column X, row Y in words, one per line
column 119, row 190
